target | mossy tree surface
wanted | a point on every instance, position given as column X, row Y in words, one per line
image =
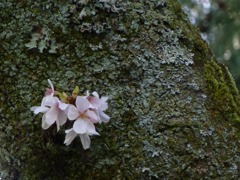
column 174, row 110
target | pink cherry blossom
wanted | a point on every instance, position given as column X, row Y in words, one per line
column 52, row 108
column 53, row 111
column 83, row 116
column 71, row 134
column 85, row 111
column 99, row 105
column 56, row 113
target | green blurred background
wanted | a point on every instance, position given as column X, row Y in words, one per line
column 219, row 23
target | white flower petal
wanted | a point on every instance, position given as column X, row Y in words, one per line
column 104, row 98
column 58, row 125
column 91, row 129
column 95, row 94
column 96, row 102
column 38, row 109
column 33, row 108
column 92, row 116
column 51, row 115
column 44, row 124
column 87, row 93
column 50, row 83
column 70, row 135
column 80, row 126
column 49, row 101
column 85, row 139
column 103, row 106
column 82, row 104
column 73, row 112
column 68, row 130
column 62, row 118
column 62, row 105
column 104, row 117
column 43, row 103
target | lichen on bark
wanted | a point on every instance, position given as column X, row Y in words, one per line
column 173, row 108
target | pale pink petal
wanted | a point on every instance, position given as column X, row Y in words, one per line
column 51, row 115
column 103, row 106
column 82, row 104
column 62, row 118
column 91, row 129
column 38, row 109
column 96, row 102
column 70, row 135
column 50, row 83
column 44, row 124
column 95, row 94
column 87, row 93
column 104, row 98
column 85, row 139
column 68, row 130
column 43, row 103
column 48, row 92
column 92, row 116
column 33, row 108
column 54, row 100
column 104, row 117
column 80, row 126
column 62, row 105
column 58, row 125
column 49, row 101
column 73, row 112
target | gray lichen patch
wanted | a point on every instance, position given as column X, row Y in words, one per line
column 41, row 40
column 135, row 53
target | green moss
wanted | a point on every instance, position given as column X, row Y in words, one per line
column 224, row 97
column 222, row 90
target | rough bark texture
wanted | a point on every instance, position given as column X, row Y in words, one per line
column 173, row 108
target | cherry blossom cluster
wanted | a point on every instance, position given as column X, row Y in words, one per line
column 84, row 111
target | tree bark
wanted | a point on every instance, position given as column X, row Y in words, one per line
column 174, row 110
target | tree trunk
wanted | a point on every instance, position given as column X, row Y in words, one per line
column 174, row 110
